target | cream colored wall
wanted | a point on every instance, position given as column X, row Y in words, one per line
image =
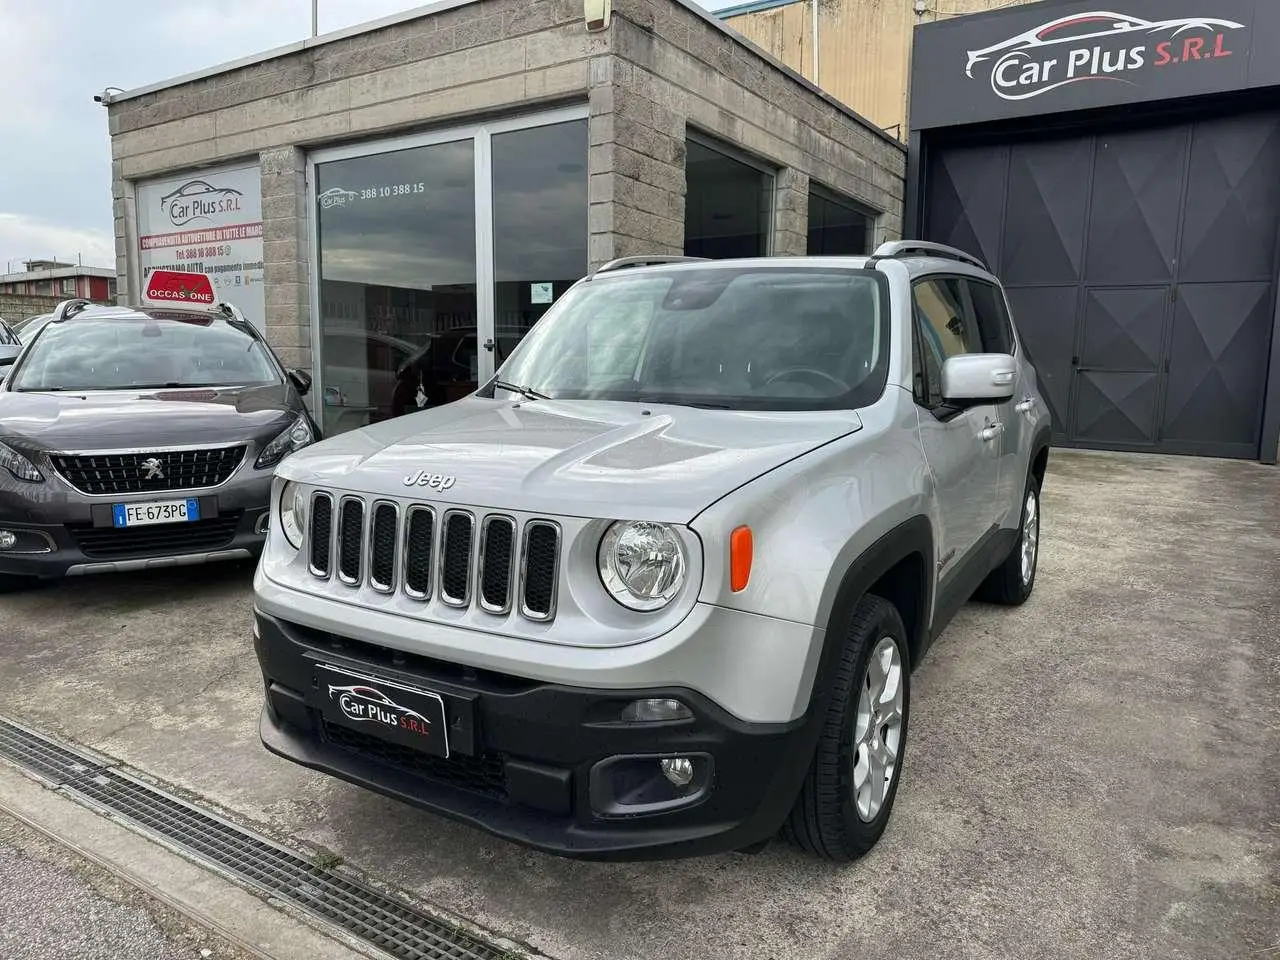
column 864, row 52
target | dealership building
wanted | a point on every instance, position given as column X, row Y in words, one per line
column 428, row 184
column 1121, row 171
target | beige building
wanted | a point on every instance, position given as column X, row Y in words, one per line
column 417, row 191
column 863, row 49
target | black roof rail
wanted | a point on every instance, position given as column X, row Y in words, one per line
column 893, row 249
column 622, row 263
column 69, row 308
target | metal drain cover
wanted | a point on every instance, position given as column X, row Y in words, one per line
column 392, row 926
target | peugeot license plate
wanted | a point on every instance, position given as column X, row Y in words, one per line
column 155, row 511
column 384, row 709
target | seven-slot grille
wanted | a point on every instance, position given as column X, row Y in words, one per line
column 449, row 555
column 111, row 473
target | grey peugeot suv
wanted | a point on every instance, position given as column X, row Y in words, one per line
column 136, row 437
column 657, row 589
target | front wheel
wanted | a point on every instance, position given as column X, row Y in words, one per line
column 848, row 793
column 1011, row 583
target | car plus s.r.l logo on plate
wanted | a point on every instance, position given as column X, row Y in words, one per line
column 365, row 704
column 1097, row 46
column 199, row 200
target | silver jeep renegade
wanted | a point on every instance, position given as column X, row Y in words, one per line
column 657, row 589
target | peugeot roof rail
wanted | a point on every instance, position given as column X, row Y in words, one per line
column 624, row 262
column 893, row 249
column 69, row 308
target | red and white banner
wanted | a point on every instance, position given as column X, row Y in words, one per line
column 210, row 224
column 169, row 287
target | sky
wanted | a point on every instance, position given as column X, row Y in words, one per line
column 55, row 55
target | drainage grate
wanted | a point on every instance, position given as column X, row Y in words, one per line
column 392, row 926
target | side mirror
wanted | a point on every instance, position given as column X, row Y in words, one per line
column 302, row 380
column 977, row 377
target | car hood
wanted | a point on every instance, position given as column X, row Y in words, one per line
column 568, row 458
column 119, row 420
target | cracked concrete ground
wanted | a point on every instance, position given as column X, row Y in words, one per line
column 1095, row 774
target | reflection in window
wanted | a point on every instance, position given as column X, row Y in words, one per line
column 837, row 229
column 397, row 243
column 727, row 206
column 539, row 223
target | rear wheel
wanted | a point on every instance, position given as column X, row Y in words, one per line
column 1011, row 583
column 848, row 793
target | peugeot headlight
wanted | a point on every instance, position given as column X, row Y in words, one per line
column 19, row 466
column 293, row 513
column 295, row 437
column 642, row 564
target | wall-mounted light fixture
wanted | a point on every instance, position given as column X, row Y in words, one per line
column 597, row 13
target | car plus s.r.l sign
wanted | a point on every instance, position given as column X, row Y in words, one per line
column 1096, row 45
column 1043, row 58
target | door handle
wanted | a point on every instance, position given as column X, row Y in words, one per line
column 1026, row 406
column 991, row 431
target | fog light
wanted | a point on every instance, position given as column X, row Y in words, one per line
column 679, row 770
column 8, row 539
column 655, row 711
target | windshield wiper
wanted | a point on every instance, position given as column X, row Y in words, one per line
column 527, row 392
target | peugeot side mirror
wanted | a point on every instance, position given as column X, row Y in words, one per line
column 302, row 380
column 976, row 377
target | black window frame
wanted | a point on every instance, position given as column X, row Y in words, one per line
column 941, row 410
column 1003, row 320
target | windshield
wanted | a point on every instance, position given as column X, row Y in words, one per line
column 125, row 353
column 761, row 338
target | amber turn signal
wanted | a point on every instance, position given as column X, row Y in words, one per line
column 740, row 548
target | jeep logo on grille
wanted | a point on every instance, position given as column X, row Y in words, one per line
column 436, row 481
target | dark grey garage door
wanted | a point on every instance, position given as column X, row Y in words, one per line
column 1140, row 267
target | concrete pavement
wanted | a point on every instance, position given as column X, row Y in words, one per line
column 1095, row 774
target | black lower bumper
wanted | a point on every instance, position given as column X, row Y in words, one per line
column 50, row 551
column 547, row 766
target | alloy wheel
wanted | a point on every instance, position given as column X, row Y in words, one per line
column 1030, row 537
column 877, row 734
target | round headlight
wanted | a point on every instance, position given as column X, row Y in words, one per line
column 293, row 513
column 642, row 564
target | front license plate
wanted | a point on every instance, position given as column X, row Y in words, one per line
column 157, row 511
column 385, row 709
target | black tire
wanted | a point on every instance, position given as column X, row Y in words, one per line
column 825, row 819
column 1005, row 584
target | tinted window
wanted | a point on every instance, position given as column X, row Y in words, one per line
column 119, row 353
column 783, row 339
column 945, row 328
column 726, row 206
column 991, row 316
column 837, row 229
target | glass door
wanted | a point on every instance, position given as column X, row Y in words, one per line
column 434, row 256
column 539, row 204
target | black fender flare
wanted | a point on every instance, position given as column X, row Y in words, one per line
column 913, row 536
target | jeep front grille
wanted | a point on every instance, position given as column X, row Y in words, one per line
column 452, row 556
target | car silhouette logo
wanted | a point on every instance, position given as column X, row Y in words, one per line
column 367, row 704
column 1037, row 61
column 199, row 200
column 336, row 197
column 152, row 469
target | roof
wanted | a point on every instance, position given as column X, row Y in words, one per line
column 754, row 6
column 112, row 96
column 58, row 274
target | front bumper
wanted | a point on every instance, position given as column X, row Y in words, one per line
column 61, row 532
column 526, row 755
